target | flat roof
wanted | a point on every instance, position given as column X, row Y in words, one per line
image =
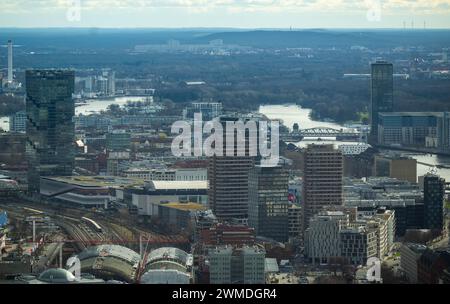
column 98, row 181
column 175, row 185
column 186, row 206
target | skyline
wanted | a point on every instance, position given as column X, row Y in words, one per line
column 225, row 14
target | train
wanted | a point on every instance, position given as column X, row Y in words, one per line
column 92, row 224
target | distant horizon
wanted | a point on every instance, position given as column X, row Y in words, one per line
column 242, row 14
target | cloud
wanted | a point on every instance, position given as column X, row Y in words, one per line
column 234, row 6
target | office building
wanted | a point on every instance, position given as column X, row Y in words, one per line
column 434, row 194
column 322, row 236
column 358, row 244
column 268, row 202
column 396, row 166
column 382, row 93
column 50, row 128
column 228, row 181
column 209, row 110
column 295, row 219
column 10, row 62
column 410, row 254
column 18, row 122
column 323, row 179
column 237, row 265
column 410, row 129
column 118, row 141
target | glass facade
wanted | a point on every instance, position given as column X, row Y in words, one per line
column 50, row 127
column 268, row 202
column 382, row 93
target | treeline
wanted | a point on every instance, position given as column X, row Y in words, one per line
column 11, row 104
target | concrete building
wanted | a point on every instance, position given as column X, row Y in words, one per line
column 322, row 236
column 382, row 94
column 268, row 202
column 233, row 265
column 179, row 215
column 323, row 179
column 358, row 244
column 409, row 257
column 148, row 198
column 228, row 180
column 434, row 196
column 50, row 128
column 295, row 220
column 396, row 166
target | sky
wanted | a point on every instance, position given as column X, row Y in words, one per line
column 226, row 13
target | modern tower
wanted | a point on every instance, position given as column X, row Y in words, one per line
column 10, row 61
column 382, row 94
column 434, row 192
column 268, row 202
column 228, row 182
column 50, row 126
column 322, row 179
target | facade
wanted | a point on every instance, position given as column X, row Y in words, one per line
column 232, row 265
column 268, row 202
column 410, row 255
column 382, row 93
column 322, row 236
column 323, row 179
column 358, row 244
column 413, row 129
column 399, row 167
column 18, row 122
column 148, row 198
column 179, row 215
column 209, row 110
column 295, row 219
column 118, row 141
column 434, row 194
column 50, row 128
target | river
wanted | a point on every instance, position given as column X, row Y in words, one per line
column 291, row 114
column 96, row 105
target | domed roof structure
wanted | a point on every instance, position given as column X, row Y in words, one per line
column 57, row 276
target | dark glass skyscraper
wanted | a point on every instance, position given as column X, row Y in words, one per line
column 268, row 202
column 382, row 93
column 433, row 192
column 50, row 126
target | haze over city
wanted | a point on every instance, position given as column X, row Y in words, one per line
column 228, row 13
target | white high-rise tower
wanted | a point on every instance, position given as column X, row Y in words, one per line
column 10, row 61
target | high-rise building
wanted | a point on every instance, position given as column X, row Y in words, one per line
column 10, row 62
column 268, row 202
column 323, row 179
column 228, row 181
column 434, row 193
column 382, row 93
column 50, row 128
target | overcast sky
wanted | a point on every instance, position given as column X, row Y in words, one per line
column 226, row 13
